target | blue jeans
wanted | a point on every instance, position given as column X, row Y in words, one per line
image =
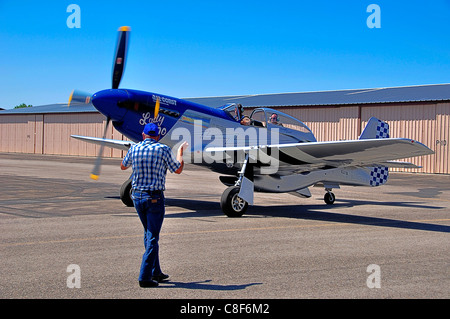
column 150, row 208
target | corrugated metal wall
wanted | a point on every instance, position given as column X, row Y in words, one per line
column 428, row 123
column 59, row 127
column 329, row 123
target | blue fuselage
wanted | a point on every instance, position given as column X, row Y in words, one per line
column 130, row 110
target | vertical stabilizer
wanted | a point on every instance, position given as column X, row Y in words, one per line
column 375, row 128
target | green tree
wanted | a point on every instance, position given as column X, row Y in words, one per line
column 20, row 106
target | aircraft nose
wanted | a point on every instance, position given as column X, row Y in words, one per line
column 106, row 103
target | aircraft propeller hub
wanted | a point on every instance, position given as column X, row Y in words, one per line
column 107, row 102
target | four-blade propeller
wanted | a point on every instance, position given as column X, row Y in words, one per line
column 118, row 68
column 79, row 97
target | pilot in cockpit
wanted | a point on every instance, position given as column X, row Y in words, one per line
column 238, row 112
column 274, row 119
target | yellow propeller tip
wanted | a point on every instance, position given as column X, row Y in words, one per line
column 124, row 28
column 94, row 177
column 156, row 108
column 70, row 97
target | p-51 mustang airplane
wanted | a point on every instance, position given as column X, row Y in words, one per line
column 269, row 152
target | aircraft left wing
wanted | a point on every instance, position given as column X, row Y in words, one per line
column 121, row 145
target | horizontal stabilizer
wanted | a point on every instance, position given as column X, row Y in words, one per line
column 397, row 164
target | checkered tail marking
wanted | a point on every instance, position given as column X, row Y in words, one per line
column 379, row 175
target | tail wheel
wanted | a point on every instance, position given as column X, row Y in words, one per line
column 232, row 205
column 329, row 198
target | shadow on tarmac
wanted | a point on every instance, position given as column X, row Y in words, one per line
column 203, row 285
column 319, row 212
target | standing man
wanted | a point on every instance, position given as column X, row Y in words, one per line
column 150, row 161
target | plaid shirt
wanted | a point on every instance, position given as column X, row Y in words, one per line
column 150, row 161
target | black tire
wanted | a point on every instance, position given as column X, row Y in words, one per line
column 329, row 198
column 125, row 193
column 232, row 205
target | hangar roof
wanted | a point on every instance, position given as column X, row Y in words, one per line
column 420, row 93
column 52, row 108
column 436, row 92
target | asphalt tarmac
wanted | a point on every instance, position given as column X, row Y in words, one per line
column 60, row 230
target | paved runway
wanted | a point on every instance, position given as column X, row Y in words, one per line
column 53, row 216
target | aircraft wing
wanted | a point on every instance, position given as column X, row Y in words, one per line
column 356, row 152
column 121, row 145
column 365, row 152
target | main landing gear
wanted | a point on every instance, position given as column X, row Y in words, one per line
column 125, row 193
column 232, row 205
column 235, row 199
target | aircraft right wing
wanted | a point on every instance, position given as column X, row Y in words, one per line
column 356, row 152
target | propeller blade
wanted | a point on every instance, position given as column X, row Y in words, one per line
column 120, row 56
column 156, row 109
column 79, row 97
column 96, row 171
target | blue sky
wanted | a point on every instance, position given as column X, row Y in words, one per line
column 213, row 48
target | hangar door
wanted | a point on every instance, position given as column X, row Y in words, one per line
column 442, row 147
column 21, row 133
